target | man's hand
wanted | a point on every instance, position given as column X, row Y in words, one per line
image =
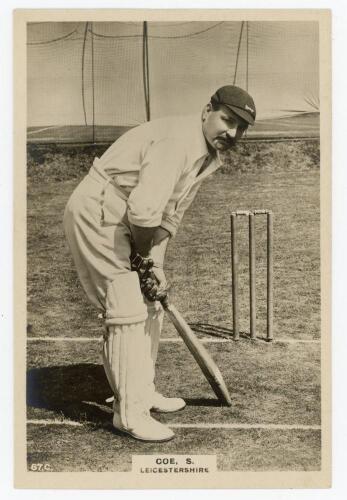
column 148, row 263
column 155, row 286
column 160, row 276
column 153, row 282
column 142, row 265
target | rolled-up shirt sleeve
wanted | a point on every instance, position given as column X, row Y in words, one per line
column 160, row 170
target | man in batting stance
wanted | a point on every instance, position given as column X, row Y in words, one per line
column 118, row 223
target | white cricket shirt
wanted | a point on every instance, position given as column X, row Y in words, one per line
column 157, row 164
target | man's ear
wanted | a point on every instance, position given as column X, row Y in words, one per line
column 207, row 109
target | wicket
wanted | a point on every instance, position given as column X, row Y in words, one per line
column 252, row 268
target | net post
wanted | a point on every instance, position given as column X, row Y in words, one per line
column 93, row 82
column 145, row 69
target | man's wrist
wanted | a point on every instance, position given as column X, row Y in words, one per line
column 160, row 235
column 158, row 250
column 142, row 239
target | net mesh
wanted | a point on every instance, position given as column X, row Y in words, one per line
column 99, row 74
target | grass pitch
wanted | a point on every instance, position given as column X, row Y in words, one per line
column 269, row 384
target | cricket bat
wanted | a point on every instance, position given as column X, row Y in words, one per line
column 200, row 354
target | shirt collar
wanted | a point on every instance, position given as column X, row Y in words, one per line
column 197, row 147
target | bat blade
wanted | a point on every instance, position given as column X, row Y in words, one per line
column 200, row 354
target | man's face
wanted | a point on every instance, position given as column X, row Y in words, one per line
column 223, row 128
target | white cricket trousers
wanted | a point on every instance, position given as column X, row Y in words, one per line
column 98, row 233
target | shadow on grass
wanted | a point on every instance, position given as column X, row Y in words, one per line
column 203, row 402
column 68, row 390
column 78, row 393
column 213, row 330
column 219, row 331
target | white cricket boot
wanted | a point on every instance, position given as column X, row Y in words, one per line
column 162, row 404
column 129, row 369
column 142, row 427
column 166, row 405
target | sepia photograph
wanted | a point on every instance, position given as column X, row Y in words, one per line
column 176, row 169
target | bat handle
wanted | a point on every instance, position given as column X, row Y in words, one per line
column 165, row 301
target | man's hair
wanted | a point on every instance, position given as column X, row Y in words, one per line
column 215, row 105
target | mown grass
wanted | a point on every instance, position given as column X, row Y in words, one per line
column 68, row 383
column 285, row 180
column 61, row 378
column 99, row 450
column 277, row 383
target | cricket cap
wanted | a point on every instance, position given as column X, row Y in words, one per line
column 238, row 100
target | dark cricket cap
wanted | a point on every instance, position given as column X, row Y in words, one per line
column 238, row 100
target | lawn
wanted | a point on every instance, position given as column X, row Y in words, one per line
column 276, row 383
column 285, row 180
